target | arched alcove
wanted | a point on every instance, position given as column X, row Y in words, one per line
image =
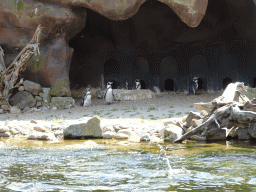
column 169, row 85
column 200, row 84
column 254, row 83
column 226, row 81
column 143, row 84
column 168, row 69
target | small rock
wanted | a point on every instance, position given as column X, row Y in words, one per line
column 196, row 122
column 192, row 115
column 58, row 133
column 39, row 104
column 173, row 121
column 117, row 127
column 3, row 102
column 198, row 138
column 109, row 135
column 33, row 121
column 1, row 111
column 41, row 136
column 5, row 134
column 41, row 94
column 21, row 88
column 4, row 129
column 38, row 98
column 145, row 138
column 108, row 128
column 32, row 87
column 54, row 108
column 203, row 114
column 45, row 109
column 15, row 110
column 121, row 136
column 25, row 109
column 35, row 109
column 5, row 107
column 39, row 128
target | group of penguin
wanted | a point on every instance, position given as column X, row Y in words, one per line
column 87, row 101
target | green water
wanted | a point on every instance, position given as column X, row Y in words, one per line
column 123, row 166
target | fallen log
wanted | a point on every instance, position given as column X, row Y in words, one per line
column 223, row 117
column 10, row 75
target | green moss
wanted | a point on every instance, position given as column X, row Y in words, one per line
column 38, row 62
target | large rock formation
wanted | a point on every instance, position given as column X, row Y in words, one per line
column 150, row 39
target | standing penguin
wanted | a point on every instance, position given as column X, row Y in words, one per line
column 86, row 100
column 195, row 85
column 109, row 93
column 138, row 85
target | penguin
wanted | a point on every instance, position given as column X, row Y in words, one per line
column 86, row 100
column 195, row 85
column 109, row 93
column 138, row 85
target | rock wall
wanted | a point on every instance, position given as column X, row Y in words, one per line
column 80, row 37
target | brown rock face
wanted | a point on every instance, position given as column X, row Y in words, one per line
column 128, row 39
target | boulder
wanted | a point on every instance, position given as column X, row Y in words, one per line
column 109, row 135
column 192, row 115
column 218, row 134
column 62, row 102
column 23, row 99
column 243, row 134
column 60, row 88
column 41, row 136
column 196, row 122
column 90, row 128
column 1, row 111
column 252, row 130
column 32, row 87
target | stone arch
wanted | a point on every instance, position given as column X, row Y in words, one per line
column 226, row 81
column 169, row 85
column 112, row 72
column 168, row 69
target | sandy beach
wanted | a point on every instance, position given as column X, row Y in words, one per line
column 165, row 105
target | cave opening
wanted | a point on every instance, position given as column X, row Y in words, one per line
column 226, row 82
column 169, row 85
column 124, row 50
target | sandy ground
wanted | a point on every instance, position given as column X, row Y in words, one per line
column 166, row 105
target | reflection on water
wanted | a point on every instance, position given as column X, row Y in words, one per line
column 90, row 166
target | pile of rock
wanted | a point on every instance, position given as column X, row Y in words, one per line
column 33, row 97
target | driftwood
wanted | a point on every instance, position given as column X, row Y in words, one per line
column 10, row 75
column 2, row 65
column 232, row 108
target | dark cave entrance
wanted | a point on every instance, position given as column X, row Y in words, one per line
column 226, row 81
column 154, row 52
column 169, row 85
column 254, row 82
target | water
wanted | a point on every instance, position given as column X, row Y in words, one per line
column 123, row 166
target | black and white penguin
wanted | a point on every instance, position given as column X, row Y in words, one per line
column 195, row 85
column 109, row 93
column 86, row 100
column 138, row 85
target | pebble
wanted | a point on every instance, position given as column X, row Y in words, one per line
column 109, row 135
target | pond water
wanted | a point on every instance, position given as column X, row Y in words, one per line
column 122, row 166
